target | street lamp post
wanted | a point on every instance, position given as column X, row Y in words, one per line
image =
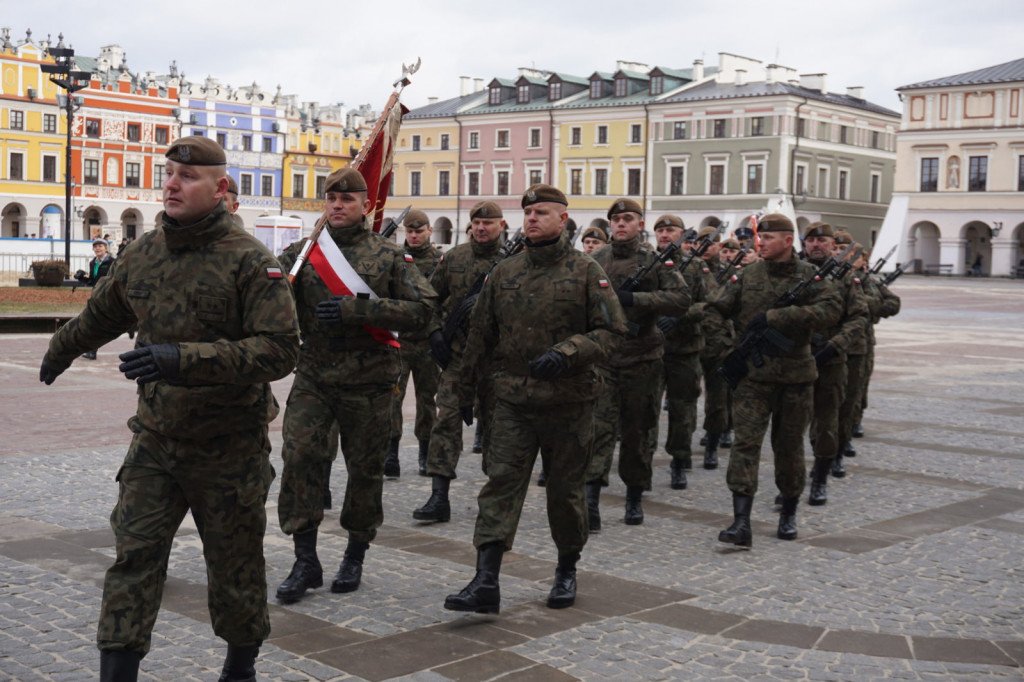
column 64, row 76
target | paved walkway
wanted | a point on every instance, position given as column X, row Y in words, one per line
column 912, row 571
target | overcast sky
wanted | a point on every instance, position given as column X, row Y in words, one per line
column 332, row 52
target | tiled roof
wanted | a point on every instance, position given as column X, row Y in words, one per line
column 712, row 90
column 448, row 107
column 1000, row 73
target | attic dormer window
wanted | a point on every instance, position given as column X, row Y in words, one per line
column 523, row 94
column 554, row 91
column 657, row 85
column 495, row 95
column 620, row 87
column 595, row 89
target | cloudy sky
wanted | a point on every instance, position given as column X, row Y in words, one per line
column 347, row 52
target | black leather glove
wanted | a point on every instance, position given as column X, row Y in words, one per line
column 667, row 324
column 440, row 350
column 329, row 311
column 81, row 276
column 757, row 324
column 151, row 363
column 49, row 371
column 825, row 354
column 466, row 412
column 548, row 366
column 625, row 297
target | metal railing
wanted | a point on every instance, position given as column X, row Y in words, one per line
column 14, row 266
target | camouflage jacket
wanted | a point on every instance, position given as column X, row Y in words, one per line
column 754, row 289
column 457, row 272
column 345, row 353
column 686, row 336
column 550, row 297
column 849, row 335
column 219, row 295
column 661, row 292
column 881, row 303
column 425, row 258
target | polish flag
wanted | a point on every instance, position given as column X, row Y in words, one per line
column 342, row 280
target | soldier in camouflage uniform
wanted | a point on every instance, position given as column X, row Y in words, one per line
column 831, row 349
column 683, row 342
column 216, row 324
column 781, row 390
column 459, row 271
column 719, row 338
column 347, row 373
column 543, row 319
column 632, row 400
column 416, row 358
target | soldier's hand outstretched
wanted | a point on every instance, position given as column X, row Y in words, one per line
column 151, row 363
column 548, row 366
column 49, row 371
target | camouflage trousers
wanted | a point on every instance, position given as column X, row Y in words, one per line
column 849, row 414
column 682, row 388
column 446, row 437
column 564, row 436
column 716, row 392
column 829, row 390
column 869, row 368
column 224, row 481
column 363, row 417
column 416, row 361
column 630, row 404
column 788, row 408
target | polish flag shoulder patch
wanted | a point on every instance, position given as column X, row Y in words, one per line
column 669, row 264
column 856, row 280
column 734, row 278
column 603, row 283
column 274, row 273
column 409, row 258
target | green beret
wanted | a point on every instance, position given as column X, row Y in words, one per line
column 196, row 150
column 540, row 193
column 415, row 218
column 731, row 244
column 232, row 186
column 625, row 206
column 707, row 232
column 843, row 237
column 668, row 220
column 595, row 233
column 346, row 179
column 819, row 230
column 775, row 222
column 486, row 210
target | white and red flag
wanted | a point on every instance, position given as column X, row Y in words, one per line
column 342, row 280
column 376, row 160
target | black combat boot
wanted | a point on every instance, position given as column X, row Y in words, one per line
column 437, row 507
column 119, row 666
column 239, row 664
column 563, row 591
column 711, row 451
column 787, row 518
column 838, row 470
column 858, row 430
column 678, row 475
column 819, row 482
column 593, row 508
column 392, row 469
column 726, row 440
column 739, row 532
column 424, row 447
column 482, row 594
column 634, row 506
column 350, row 573
column 849, row 450
column 704, row 439
column 306, row 572
column 542, row 478
column 478, row 438
column 328, row 502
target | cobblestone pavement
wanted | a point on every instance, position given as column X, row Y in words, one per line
column 914, row 570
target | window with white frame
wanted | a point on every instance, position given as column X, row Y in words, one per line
column 633, row 178
column 679, row 130
column 876, row 187
column 576, row 181
column 535, row 138
column 602, row 135
column 473, row 183
column 635, row 133
column 755, row 178
column 575, row 136
column 536, row 176
column 843, row 187
column 444, row 183
column 474, row 139
column 676, row 180
column 800, row 178
column 601, row 181
column 822, row 188
column 415, row 183
column 501, row 139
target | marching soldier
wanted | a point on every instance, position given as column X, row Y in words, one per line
column 719, row 337
column 216, row 324
column 416, row 360
column 543, row 319
column 348, row 298
column 831, row 349
column 779, row 391
column 593, row 239
column 459, row 271
column 631, row 403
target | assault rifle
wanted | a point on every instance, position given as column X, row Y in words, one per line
column 754, row 345
column 392, row 223
column 737, row 259
column 891, row 277
column 845, row 265
column 457, row 323
column 702, row 246
column 877, row 267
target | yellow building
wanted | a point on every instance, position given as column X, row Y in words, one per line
column 32, row 143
